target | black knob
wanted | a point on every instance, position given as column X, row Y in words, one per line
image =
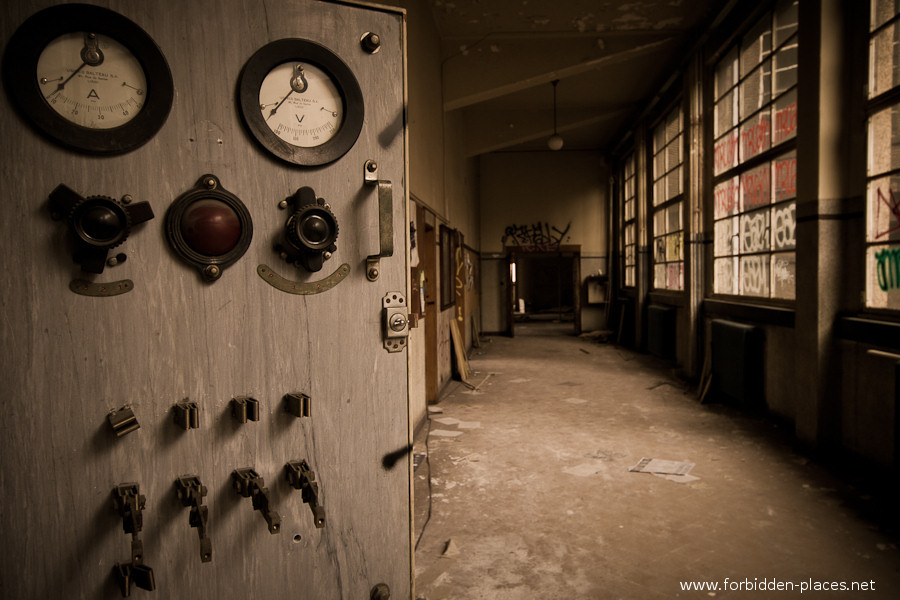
column 310, row 231
column 98, row 223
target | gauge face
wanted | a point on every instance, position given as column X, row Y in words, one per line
column 91, row 80
column 301, row 104
column 88, row 78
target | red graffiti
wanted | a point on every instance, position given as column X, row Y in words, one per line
column 893, row 206
column 785, row 178
column 755, row 186
column 755, row 138
column 786, row 122
column 726, row 152
column 726, row 198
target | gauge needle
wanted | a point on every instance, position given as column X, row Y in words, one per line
column 60, row 86
column 277, row 106
column 333, row 114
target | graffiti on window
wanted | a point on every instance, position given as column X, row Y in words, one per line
column 887, row 267
column 537, row 237
column 893, row 206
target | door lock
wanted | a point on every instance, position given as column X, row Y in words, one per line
column 395, row 321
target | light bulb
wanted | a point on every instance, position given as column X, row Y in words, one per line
column 555, row 142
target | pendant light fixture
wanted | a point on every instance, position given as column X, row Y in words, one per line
column 554, row 142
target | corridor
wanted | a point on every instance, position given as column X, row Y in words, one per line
column 532, row 496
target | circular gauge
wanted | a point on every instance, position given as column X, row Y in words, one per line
column 301, row 102
column 88, row 78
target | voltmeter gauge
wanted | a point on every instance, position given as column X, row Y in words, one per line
column 88, row 78
column 301, row 102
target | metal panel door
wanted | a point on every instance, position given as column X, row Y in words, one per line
column 71, row 359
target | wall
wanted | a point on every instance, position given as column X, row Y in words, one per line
column 562, row 193
column 441, row 178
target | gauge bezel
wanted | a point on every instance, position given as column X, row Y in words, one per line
column 20, row 61
column 301, row 50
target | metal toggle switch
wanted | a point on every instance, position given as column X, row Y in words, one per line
column 302, row 478
column 297, row 404
column 123, row 421
column 187, row 414
column 245, row 408
column 129, row 504
column 191, row 492
column 248, row 484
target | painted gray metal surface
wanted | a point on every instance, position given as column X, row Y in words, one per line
column 69, row 359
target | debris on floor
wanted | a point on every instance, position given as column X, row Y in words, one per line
column 450, row 549
column 673, row 470
column 445, row 433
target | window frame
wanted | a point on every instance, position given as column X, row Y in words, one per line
column 880, row 102
column 630, row 161
column 775, row 161
column 678, row 199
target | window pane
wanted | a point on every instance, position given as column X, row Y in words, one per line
column 884, row 61
column 755, row 275
column 884, row 141
column 784, row 226
column 755, row 232
column 786, row 19
column 726, row 115
column 785, row 176
column 883, row 276
column 755, row 136
column 883, row 11
column 755, row 188
column 785, row 110
column 727, row 236
column 786, row 68
column 756, row 90
column 726, row 153
column 884, row 210
column 757, row 45
column 726, row 198
column 784, row 275
column 726, row 276
column 726, row 73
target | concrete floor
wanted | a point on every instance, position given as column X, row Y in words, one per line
column 532, row 497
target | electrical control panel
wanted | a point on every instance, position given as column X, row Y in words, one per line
column 202, row 376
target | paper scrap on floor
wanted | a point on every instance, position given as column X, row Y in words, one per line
column 673, row 470
column 445, row 433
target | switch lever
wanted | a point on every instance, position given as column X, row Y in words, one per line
column 191, row 492
column 248, row 484
column 302, row 478
column 129, row 503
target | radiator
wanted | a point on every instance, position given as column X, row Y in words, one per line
column 736, row 364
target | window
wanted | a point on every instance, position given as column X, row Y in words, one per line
column 668, row 201
column 883, row 173
column 449, row 242
column 754, row 160
column 627, row 234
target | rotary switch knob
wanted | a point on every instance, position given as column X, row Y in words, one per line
column 97, row 223
column 310, row 232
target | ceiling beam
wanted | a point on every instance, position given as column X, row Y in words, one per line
column 514, row 67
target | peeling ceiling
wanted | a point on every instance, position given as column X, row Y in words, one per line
column 500, row 58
